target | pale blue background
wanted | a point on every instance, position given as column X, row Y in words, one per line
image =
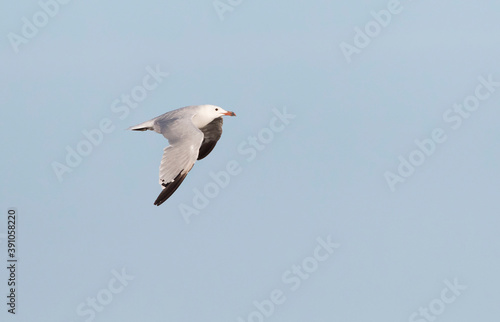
column 323, row 175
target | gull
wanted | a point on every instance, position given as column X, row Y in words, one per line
column 192, row 133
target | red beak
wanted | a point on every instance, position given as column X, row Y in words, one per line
column 230, row 113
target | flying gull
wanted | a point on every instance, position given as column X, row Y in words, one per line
column 192, row 133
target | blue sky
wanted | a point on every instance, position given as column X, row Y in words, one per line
column 307, row 227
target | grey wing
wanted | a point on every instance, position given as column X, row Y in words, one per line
column 179, row 157
column 212, row 133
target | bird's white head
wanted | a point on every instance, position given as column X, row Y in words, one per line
column 216, row 111
column 208, row 113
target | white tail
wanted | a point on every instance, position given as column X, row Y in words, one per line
column 148, row 125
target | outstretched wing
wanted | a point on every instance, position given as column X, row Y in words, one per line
column 212, row 133
column 179, row 157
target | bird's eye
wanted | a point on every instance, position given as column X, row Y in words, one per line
column 216, row 109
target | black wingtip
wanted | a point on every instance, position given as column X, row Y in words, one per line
column 170, row 188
